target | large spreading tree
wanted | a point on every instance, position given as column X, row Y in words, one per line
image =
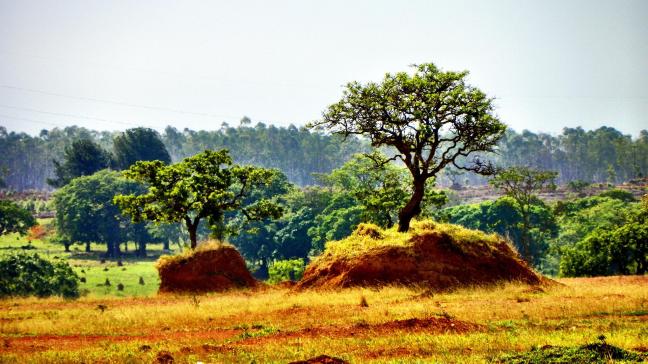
column 205, row 186
column 433, row 119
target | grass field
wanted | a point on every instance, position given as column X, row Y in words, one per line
column 279, row 325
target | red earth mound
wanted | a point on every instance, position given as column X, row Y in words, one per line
column 211, row 269
column 430, row 258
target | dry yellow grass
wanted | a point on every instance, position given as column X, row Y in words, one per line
column 277, row 325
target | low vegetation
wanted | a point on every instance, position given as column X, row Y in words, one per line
column 24, row 274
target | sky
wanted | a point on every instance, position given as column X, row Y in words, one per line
column 113, row 65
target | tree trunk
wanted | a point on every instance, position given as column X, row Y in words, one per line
column 193, row 229
column 141, row 249
column 87, row 247
column 413, row 207
column 166, row 245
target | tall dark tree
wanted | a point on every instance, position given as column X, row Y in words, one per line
column 83, row 158
column 432, row 118
column 139, row 144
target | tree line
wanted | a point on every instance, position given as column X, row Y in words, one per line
column 601, row 155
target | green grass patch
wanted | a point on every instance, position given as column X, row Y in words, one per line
column 89, row 266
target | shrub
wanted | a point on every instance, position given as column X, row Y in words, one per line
column 618, row 194
column 23, row 274
column 285, row 270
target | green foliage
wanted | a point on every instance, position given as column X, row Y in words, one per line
column 521, row 184
column 83, row 158
column 623, row 250
column 138, row 144
column 85, row 211
column 503, row 217
column 14, row 219
column 205, row 186
column 24, row 274
column 578, row 186
column 285, row 270
column 404, row 112
column 618, row 194
column 580, row 217
column 336, row 221
column 379, row 187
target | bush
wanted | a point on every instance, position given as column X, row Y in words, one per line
column 620, row 251
column 23, row 274
column 285, row 270
column 618, row 194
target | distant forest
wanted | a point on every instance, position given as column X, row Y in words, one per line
column 601, row 155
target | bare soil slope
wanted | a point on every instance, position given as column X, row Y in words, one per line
column 210, row 268
column 438, row 256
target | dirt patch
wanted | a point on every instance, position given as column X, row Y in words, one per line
column 211, row 269
column 29, row 344
column 322, row 359
column 429, row 258
column 435, row 325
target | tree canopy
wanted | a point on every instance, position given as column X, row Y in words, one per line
column 14, row 219
column 85, row 212
column 204, row 186
column 432, row 119
column 522, row 184
column 138, row 144
column 83, row 158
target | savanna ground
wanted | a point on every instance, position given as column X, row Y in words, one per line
column 276, row 324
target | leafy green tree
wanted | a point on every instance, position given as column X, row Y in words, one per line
column 336, row 221
column 85, row 212
column 612, row 247
column 14, row 219
column 83, row 158
column 139, row 144
column 23, row 274
column 503, row 217
column 432, row 118
column 204, row 186
column 522, row 184
column 578, row 218
column 256, row 238
column 621, row 251
column 381, row 190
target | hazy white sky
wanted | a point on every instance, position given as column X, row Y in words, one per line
column 117, row 64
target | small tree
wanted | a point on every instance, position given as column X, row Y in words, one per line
column 83, row 158
column 522, row 184
column 432, row 118
column 14, row 219
column 204, row 186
